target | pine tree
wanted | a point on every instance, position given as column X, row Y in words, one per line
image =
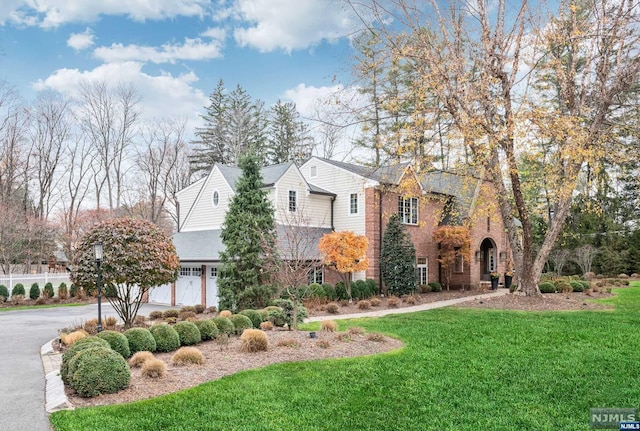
column 398, row 259
column 289, row 138
column 248, row 228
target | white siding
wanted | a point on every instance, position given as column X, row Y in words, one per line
column 312, row 210
column 205, row 215
column 342, row 183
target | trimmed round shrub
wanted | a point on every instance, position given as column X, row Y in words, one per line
column 372, row 287
column 63, row 291
column 74, row 349
column 254, row 316
column 563, row 286
column 117, row 341
column 359, row 289
column 333, row 308
column 585, row 285
column 435, row 286
column 4, row 292
column 330, row 292
column 188, row 333
column 254, row 340
column 224, row 325
column 187, row 356
column 47, row 291
column 240, row 323
column 547, row 287
column 73, row 290
column 341, row 291
column 167, row 339
column 18, row 289
column 140, row 340
column 208, row 329
column 276, row 315
column 34, row 292
column 576, row 285
column 98, row 371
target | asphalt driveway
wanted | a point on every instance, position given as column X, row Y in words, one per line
column 22, row 383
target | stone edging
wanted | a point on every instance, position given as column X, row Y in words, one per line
column 55, row 397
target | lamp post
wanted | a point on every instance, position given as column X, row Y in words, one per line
column 97, row 253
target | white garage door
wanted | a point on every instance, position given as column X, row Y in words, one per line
column 160, row 294
column 188, row 286
column 212, row 286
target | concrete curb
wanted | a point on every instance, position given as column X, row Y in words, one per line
column 55, row 397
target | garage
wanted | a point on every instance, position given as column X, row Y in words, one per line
column 160, row 294
column 188, row 291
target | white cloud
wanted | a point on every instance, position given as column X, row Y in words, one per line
column 52, row 13
column 80, row 41
column 291, row 24
column 164, row 95
column 192, row 49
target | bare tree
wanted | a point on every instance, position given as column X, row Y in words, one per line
column 584, row 256
column 50, row 129
column 559, row 258
column 109, row 118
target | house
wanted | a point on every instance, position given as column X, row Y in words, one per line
column 325, row 195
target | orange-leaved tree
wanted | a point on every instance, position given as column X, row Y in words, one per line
column 346, row 252
column 455, row 243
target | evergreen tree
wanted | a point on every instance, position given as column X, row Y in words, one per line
column 398, row 259
column 248, row 229
column 289, row 138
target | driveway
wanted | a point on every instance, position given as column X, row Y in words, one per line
column 22, row 333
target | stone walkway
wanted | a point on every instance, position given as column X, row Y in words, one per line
column 54, row 388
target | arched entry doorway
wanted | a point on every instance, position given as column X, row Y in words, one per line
column 488, row 258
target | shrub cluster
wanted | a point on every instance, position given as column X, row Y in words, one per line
column 99, row 370
column 208, row 329
column 224, row 325
column 254, row 316
column 188, row 333
column 74, row 349
column 240, row 323
column 547, row 287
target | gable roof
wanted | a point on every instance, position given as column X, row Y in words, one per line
column 270, row 174
column 387, row 174
column 462, row 190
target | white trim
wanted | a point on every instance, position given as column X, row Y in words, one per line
column 357, row 195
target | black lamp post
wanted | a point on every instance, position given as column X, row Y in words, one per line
column 97, row 253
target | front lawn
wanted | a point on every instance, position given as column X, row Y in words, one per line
column 461, row 369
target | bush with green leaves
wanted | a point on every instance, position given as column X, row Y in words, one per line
column 316, row 291
column 63, row 291
column 563, row 286
column 48, row 290
column 188, row 333
column 117, row 341
column 34, row 292
column 547, row 287
column 4, row 292
column 576, row 285
column 240, row 323
column 18, row 289
column 140, row 340
column 73, row 290
column 167, row 339
column 224, row 325
column 99, row 370
column 359, row 290
column 341, row 291
column 276, row 315
column 435, row 286
column 372, row 287
column 74, row 349
column 287, row 309
column 330, row 292
column 208, row 329
column 254, row 316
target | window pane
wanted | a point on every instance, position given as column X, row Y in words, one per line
column 292, row 200
column 353, row 203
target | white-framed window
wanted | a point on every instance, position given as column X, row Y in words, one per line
column 185, row 271
column 190, row 271
column 353, row 203
column 293, row 201
column 423, row 271
column 458, row 263
column 316, row 275
column 408, row 210
column 314, row 171
column 215, row 198
column 213, row 273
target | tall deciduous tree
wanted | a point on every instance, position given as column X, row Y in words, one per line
column 481, row 59
column 397, row 259
column 346, row 252
column 248, row 228
column 137, row 257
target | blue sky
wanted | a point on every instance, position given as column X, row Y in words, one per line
column 175, row 51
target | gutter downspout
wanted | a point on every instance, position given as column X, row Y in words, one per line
column 333, row 228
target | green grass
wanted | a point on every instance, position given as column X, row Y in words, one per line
column 460, row 369
column 31, row 307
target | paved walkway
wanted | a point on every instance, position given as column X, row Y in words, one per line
column 55, row 398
